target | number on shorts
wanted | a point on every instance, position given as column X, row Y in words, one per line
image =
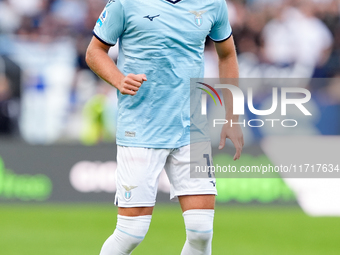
column 207, row 157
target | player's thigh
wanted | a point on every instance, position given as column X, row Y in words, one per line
column 137, row 176
column 192, row 202
column 185, row 185
column 135, row 211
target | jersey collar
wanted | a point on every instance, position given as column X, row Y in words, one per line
column 173, row 1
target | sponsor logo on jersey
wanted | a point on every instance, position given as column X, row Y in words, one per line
column 198, row 17
column 130, row 134
column 102, row 18
column 128, row 194
column 151, row 18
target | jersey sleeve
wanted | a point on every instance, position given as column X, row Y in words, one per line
column 221, row 29
column 110, row 24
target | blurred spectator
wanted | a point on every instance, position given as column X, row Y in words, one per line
column 10, row 79
column 8, row 13
column 294, row 37
column 28, row 8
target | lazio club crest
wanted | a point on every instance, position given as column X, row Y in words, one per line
column 198, row 17
column 128, row 194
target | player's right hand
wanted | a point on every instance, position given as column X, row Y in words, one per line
column 131, row 84
column 234, row 133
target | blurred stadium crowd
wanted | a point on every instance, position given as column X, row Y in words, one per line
column 48, row 94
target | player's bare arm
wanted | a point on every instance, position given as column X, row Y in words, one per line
column 100, row 62
column 228, row 68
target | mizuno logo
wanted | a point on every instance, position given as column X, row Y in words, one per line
column 151, row 18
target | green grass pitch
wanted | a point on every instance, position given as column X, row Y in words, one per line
column 238, row 230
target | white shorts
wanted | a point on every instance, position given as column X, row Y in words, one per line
column 138, row 172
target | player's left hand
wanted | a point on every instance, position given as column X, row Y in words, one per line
column 235, row 134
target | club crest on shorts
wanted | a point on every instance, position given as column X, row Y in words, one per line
column 128, row 194
column 198, row 17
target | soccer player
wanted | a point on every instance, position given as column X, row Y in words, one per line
column 161, row 45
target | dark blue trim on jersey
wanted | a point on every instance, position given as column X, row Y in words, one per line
column 108, row 44
column 223, row 40
column 173, row 2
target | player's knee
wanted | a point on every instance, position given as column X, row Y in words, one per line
column 199, row 227
column 130, row 231
column 134, row 226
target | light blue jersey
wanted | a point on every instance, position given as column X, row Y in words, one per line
column 163, row 39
